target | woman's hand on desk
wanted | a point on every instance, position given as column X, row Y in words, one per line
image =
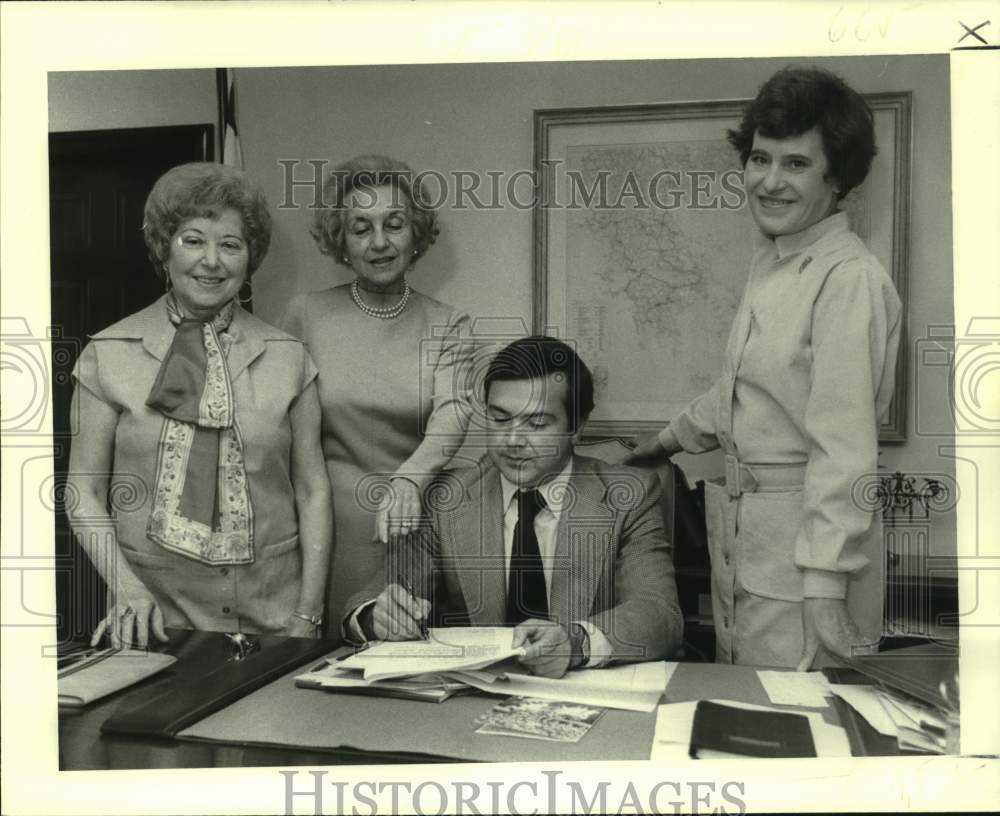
column 826, row 622
column 131, row 619
column 399, row 615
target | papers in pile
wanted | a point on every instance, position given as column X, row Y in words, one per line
column 915, row 725
column 465, row 658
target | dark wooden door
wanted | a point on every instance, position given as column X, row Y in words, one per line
column 98, row 183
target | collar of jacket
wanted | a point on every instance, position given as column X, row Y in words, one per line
column 153, row 328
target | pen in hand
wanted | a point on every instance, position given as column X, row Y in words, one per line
column 408, row 586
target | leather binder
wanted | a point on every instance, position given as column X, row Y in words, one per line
column 721, row 730
column 209, row 679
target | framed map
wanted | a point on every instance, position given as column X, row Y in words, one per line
column 643, row 242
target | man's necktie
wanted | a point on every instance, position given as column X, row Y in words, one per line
column 526, row 595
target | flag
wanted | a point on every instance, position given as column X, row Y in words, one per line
column 229, row 136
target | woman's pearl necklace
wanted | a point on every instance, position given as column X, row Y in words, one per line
column 389, row 312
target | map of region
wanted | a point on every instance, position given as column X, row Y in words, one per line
column 654, row 278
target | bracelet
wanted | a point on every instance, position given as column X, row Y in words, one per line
column 315, row 620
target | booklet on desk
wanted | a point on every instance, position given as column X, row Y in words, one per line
column 90, row 674
column 675, row 725
column 725, row 731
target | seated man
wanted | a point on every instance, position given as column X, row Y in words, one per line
column 569, row 550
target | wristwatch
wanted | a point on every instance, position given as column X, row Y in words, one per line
column 315, row 620
column 579, row 641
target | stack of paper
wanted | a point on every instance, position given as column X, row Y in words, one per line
column 444, row 650
column 329, row 675
column 464, row 658
column 916, row 726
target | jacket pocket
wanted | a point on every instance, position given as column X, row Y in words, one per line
column 147, row 560
column 765, row 545
column 280, row 548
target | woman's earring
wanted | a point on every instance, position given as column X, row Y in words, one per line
column 167, row 283
column 243, row 301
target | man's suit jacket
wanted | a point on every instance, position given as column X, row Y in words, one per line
column 612, row 567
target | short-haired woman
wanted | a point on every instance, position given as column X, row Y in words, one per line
column 199, row 427
column 392, row 363
column 809, row 370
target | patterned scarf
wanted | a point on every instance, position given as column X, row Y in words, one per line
column 201, row 502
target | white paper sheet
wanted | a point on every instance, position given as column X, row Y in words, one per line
column 807, row 689
column 672, row 739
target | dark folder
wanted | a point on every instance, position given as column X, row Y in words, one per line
column 726, row 730
column 208, row 679
column 920, row 671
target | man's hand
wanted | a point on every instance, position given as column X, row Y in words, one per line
column 547, row 649
column 826, row 622
column 648, row 452
column 398, row 615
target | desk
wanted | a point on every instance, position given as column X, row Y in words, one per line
column 280, row 724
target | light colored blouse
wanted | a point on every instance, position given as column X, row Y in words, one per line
column 813, row 352
column 394, row 396
column 269, row 370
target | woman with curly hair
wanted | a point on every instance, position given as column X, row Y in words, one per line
column 809, row 370
column 199, row 430
column 392, row 364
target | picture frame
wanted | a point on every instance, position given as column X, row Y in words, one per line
column 642, row 246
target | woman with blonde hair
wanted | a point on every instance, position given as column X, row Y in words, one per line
column 210, row 417
column 392, row 363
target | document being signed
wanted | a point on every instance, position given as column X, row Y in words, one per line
column 446, row 649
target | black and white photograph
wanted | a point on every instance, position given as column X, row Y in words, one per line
column 494, row 408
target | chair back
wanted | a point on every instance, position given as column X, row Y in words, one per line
column 683, row 506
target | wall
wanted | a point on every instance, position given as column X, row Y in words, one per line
column 104, row 100
column 479, row 117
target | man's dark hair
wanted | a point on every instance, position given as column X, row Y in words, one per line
column 539, row 356
column 794, row 101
